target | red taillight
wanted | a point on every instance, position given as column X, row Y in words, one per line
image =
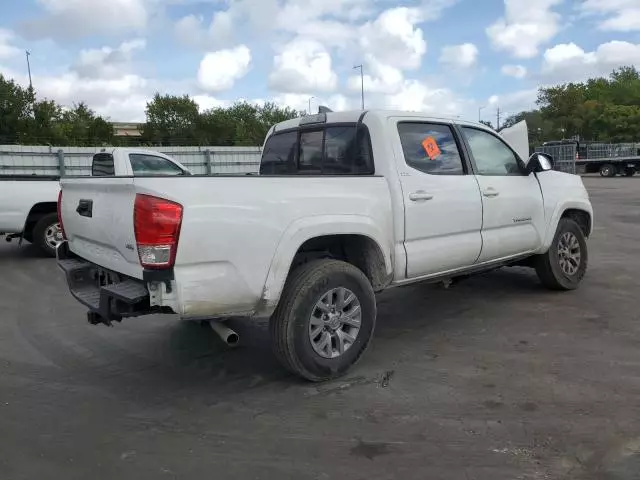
column 156, row 223
column 64, row 236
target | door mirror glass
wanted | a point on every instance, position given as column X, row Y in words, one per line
column 540, row 162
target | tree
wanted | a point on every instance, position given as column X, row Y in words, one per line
column 176, row 121
column 171, row 120
column 26, row 120
column 600, row 109
column 16, row 107
column 81, row 126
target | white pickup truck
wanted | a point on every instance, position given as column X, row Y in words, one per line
column 346, row 204
column 28, row 202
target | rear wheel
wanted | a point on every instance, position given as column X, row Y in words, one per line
column 607, row 170
column 325, row 319
column 47, row 234
column 565, row 264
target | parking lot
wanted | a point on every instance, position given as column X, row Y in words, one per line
column 494, row 378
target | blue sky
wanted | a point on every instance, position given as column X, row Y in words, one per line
column 440, row 56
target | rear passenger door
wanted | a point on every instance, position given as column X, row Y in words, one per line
column 443, row 208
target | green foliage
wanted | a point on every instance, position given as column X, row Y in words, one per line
column 600, row 109
column 26, row 120
column 15, row 111
column 173, row 120
column 169, row 118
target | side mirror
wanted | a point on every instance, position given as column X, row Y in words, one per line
column 540, row 162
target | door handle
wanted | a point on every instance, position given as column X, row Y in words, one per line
column 85, row 208
column 420, row 196
column 490, row 193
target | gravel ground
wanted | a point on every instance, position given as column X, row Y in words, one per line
column 495, row 378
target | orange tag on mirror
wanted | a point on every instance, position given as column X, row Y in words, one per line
column 431, row 147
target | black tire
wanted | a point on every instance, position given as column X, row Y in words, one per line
column 548, row 265
column 291, row 321
column 629, row 172
column 40, row 233
column 608, row 170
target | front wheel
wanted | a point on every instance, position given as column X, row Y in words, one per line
column 324, row 321
column 47, row 234
column 565, row 264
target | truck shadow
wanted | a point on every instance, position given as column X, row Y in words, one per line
column 11, row 251
column 192, row 360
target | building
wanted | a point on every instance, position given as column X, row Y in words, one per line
column 127, row 129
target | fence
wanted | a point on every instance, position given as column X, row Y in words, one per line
column 600, row 151
column 60, row 161
column 564, row 156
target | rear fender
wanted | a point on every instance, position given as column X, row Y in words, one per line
column 306, row 229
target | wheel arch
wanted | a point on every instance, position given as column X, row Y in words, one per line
column 581, row 217
column 354, row 239
column 579, row 211
column 37, row 211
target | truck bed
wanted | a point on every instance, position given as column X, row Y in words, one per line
column 232, row 228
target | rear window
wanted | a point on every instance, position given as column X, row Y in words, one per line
column 142, row 165
column 330, row 150
column 279, row 155
column 102, row 165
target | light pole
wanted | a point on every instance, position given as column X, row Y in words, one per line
column 361, row 84
column 29, row 69
column 310, row 98
column 480, row 113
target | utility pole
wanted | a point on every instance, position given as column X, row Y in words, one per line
column 310, row 98
column 498, row 120
column 480, row 113
column 361, row 84
column 29, row 69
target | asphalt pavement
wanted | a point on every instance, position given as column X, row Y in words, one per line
column 494, row 378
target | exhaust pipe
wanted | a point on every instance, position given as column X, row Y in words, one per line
column 227, row 335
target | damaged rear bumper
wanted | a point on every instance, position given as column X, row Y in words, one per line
column 108, row 295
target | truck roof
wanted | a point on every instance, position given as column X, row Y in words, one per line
column 353, row 116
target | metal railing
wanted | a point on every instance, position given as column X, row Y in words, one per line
column 61, row 161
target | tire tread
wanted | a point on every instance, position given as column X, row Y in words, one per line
column 299, row 281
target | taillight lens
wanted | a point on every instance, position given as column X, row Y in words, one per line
column 59, row 208
column 157, row 228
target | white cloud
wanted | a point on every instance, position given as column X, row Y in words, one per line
column 301, row 102
column 526, row 25
column 394, row 39
column 219, row 70
column 460, row 56
column 515, row 71
column 419, row 96
column 622, row 15
column 107, row 62
column 207, row 102
column 76, row 18
column 190, row 31
column 511, row 103
column 120, row 99
column 303, row 66
column 568, row 62
column 381, row 79
column 6, row 48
